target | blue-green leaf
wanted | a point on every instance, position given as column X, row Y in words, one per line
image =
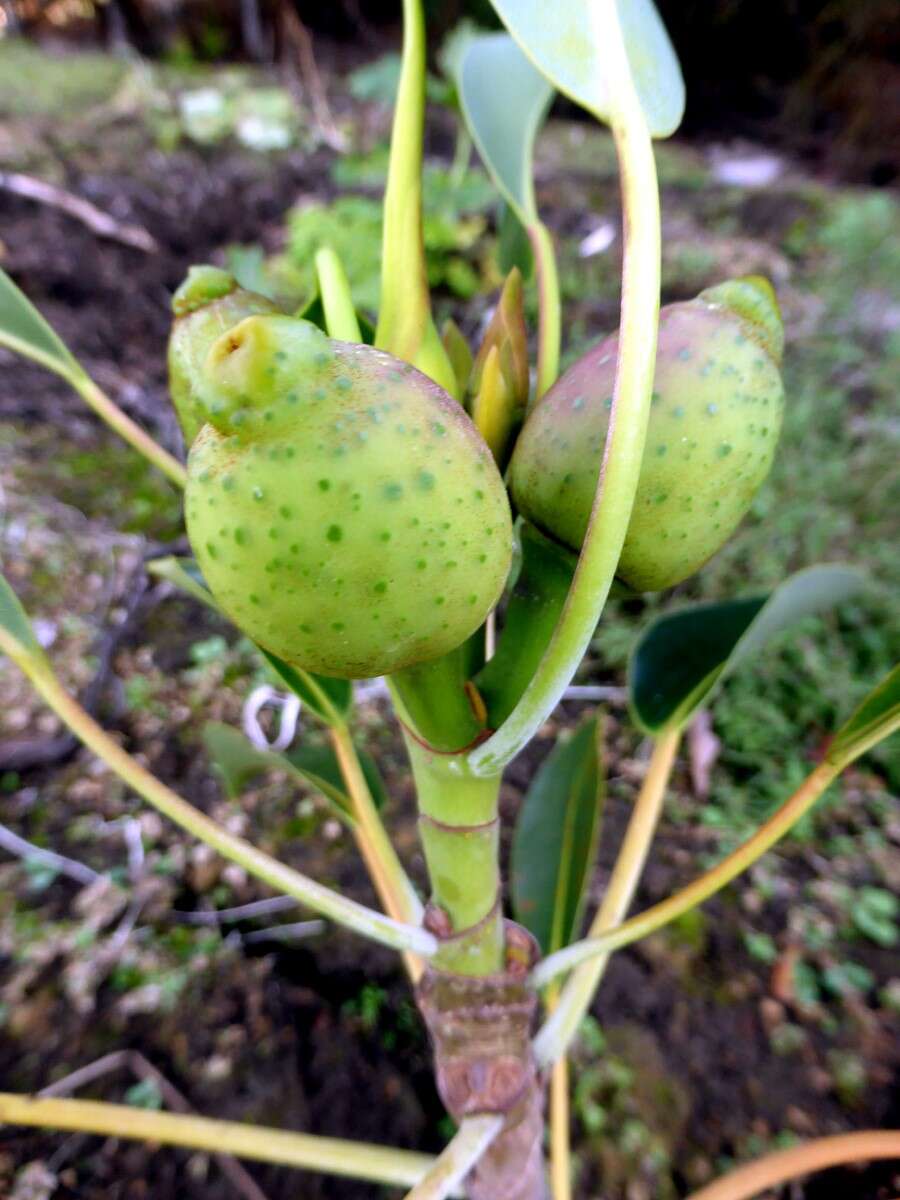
column 555, row 839
column 560, row 40
column 503, row 100
column 684, row 655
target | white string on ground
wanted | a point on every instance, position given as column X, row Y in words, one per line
column 289, row 715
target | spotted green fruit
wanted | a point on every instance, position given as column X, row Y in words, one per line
column 343, row 508
column 714, row 424
column 207, row 303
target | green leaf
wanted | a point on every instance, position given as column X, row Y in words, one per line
column 561, row 43
column 311, row 688
column 555, row 839
column 682, row 656
column 876, row 718
column 314, row 311
column 23, row 329
column 14, row 622
column 186, row 576
column 503, row 100
column 513, row 244
column 238, row 761
column 320, row 693
column 532, row 613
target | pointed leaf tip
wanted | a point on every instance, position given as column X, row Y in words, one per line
column 684, row 655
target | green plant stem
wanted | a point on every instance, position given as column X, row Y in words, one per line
column 549, row 307
column 136, row 437
column 337, row 301
column 624, row 449
column 405, row 327
column 560, row 1149
column 432, row 698
column 332, row 1156
column 462, row 153
column 701, row 889
column 458, row 1157
column 568, row 1012
column 394, row 888
column 459, row 829
column 320, row 899
column 784, row 1165
column 559, row 1117
column 405, row 301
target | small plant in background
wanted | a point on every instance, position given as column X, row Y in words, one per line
column 385, row 499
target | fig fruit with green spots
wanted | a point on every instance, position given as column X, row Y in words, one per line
column 713, row 430
column 343, row 508
column 206, row 305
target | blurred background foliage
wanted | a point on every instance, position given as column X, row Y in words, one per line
column 819, row 76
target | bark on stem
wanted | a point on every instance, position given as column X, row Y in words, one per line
column 481, row 1030
column 476, row 999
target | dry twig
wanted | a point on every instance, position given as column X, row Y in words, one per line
column 82, row 210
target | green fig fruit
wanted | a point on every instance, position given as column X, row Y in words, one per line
column 206, row 305
column 343, row 508
column 714, row 424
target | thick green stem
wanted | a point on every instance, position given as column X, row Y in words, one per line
column 531, row 617
column 405, row 327
column 459, row 828
column 432, row 699
column 624, row 451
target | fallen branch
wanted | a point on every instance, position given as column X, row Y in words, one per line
column 82, row 210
